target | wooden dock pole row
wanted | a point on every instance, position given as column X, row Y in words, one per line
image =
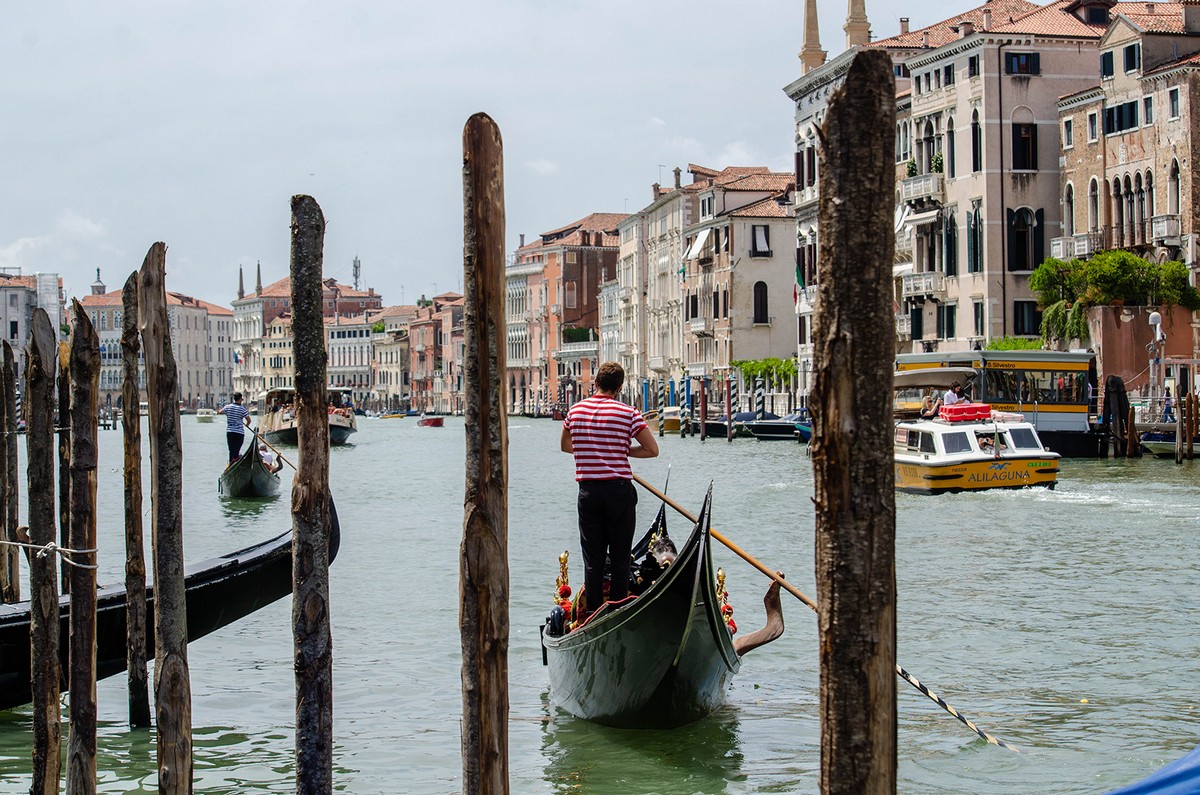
column 10, row 572
column 135, row 557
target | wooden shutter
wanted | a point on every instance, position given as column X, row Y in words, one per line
column 1039, row 238
column 1010, row 228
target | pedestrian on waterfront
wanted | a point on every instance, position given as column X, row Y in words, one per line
column 1168, row 407
column 237, row 417
column 598, row 431
column 953, row 394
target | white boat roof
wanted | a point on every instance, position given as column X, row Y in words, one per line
column 940, row 377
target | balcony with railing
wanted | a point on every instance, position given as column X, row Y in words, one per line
column 556, row 310
column 1128, row 235
column 701, row 326
column 577, row 350
column 419, row 349
column 808, row 298
column 658, row 363
column 922, row 186
column 625, row 294
column 1164, row 228
column 698, row 369
column 904, row 326
column 920, row 285
column 904, row 240
column 627, row 348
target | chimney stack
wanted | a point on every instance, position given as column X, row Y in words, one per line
column 654, row 191
column 1149, row 8
column 903, row 25
column 522, row 244
column 987, row 19
column 925, row 40
column 678, row 171
column 966, row 28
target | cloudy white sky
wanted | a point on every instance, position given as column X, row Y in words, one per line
column 194, row 123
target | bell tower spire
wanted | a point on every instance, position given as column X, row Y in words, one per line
column 857, row 27
column 258, row 283
column 241, row 284
column 811, row 54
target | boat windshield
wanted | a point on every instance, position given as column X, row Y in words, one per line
column 956, row 442
column 1024, row 439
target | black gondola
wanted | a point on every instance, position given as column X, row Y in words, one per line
column 660, row 660
column 219, row 591
column 249, row 476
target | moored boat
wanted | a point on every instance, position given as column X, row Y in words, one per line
column 249, row 476
column 669, row 417
column 971, row 448
column 219, row 592
column 1160, row 442
column 803, row 431
column 278, row 417
column 661, row 659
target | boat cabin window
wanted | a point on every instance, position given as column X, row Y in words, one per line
column 1002, row 386
column 1024, row 439
column 920, row 441
column 956, row 442
column 987, row 441
column 1041, row 386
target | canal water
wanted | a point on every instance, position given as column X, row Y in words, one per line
column 1063, row 622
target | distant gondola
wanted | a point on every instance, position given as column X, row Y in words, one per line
column 219, row 592
column 662, row 659
column 249, row 476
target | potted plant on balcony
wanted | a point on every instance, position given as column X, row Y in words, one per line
column 936, row 164
column 911, row 168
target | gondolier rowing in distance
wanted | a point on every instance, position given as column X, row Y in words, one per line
column 237, row 417
column 598, row 431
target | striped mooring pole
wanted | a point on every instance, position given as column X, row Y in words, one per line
column 662, row 404
column 760, row 403
column 733, row 396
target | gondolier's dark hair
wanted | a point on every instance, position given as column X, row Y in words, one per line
column 610, row 377
column 237, row 396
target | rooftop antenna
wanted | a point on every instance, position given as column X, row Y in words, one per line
column 660, row 168
column 357, row 270
column 402, row 294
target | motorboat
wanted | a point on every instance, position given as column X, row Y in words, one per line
column 278, row 424
column 205, row 415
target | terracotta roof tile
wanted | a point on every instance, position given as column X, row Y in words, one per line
column 941, row 33
column 9, row 280
column 762, row 181
column 107, row 299
column 1167, row 17
column 767, row 208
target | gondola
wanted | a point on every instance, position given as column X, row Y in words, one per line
column 660, row 660
column 249, row 476
column 219, row 591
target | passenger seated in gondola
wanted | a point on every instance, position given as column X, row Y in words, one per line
column 272, row 462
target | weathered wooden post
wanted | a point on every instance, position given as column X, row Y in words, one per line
column 483, row 556
column 64, row 454
column 312, row 640
column 12, row 514
column 852, row 441
column 729, row 387
column 10, row 572
column 172, row 678
column 41, row 365
column 135, row 557
column 1192, row 421
column 85, row 386
column 1133, row 445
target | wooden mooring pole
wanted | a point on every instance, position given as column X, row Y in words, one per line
column 852, row 441
column 172, row 677
column 64, row 455
column 85, row 387
column 483, row 557
column 137, row 676
column 12, row 505
column 312, row 638
column 10, row 570
column 41, row 366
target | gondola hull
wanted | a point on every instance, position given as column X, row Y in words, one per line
column 219, row 592
column 661, row 660
column 248, row 476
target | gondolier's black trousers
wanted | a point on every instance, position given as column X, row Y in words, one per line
column 607, row 519
column 235, row 445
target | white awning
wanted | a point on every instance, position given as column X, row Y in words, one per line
column 901, row 269
column 697, row 245
column 902, row 213
column 920, row 219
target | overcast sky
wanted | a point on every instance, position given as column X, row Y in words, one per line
column 194, row 123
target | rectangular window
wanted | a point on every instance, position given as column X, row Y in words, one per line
column 1068, row 134
column 760, row 245
column 1119, row 118
column 1147, row 110
column 946, row 316
column 1133, row 57
column 1027, row 320
column 917, row 319
column 978, row 307
column 1022, row 63
column 570, row 295
column 973, row 66
column 948, row 76
column 1173, row 103
column 1106, row 64
column 12, row 329
column 1093, row 127
column 12, row 299
column 1024, row 147
column 716, row 305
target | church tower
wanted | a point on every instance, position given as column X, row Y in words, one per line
column 98, row 287
column 858, row 29
column 241, row 284
column 258, row 283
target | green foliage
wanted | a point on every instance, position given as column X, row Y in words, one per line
column 936, row 164
column 1015, row 344
column 573, row 334
column 1064, row 321
column 911, row 168
column 771, row 370
column 377, row 327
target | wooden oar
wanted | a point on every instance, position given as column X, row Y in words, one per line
column 268, row 444
column 796, row 592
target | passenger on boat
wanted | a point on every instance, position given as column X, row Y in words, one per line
column 598, row 431
column 953, row 394
column 930, row 407
column 272, row 462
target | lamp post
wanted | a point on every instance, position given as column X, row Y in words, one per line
column 1155, row 321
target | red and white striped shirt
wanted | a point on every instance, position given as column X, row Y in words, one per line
column 600, row 429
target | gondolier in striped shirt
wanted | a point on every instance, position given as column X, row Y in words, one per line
column 237, row 417
column 598, row 431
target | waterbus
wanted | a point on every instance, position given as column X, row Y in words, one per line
column 1055, row 390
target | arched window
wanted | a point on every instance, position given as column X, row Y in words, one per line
column 1173, row 189
column 1025, row 239
column 1068, row 223
column 1130, row 220
column 1139, row 209
column 976, row 143
column 950, row 147
column 760, row 303
column 1117, row 214
column 1151, row 204
column 1093, row 205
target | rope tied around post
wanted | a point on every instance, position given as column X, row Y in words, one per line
column 43, row 550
